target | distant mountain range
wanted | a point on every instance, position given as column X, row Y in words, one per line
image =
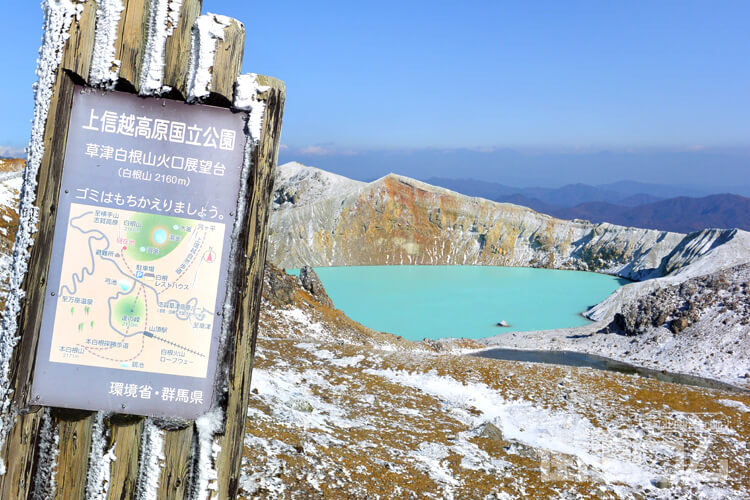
column 626, row 203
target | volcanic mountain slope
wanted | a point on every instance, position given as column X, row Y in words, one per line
column 565, row 196
column 340, row 411
column 299, row 185
column 396, row 220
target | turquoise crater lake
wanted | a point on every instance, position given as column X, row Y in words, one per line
column 434, row 302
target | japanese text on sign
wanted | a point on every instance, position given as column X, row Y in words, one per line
column 158, row 129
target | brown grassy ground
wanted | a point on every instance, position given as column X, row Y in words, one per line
column 340, row 411
column 11, row 165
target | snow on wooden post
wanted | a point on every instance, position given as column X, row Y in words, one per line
column 165, row 52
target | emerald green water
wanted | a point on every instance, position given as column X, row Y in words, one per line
column 419, row 302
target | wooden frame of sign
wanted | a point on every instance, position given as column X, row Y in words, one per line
column 27, row 451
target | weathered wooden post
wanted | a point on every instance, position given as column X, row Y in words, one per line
column 128, row 336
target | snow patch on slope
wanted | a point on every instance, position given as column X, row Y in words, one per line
column 297, row 185
column 731, row 403
column 10, row 185
column 521, row 421
column 295, row 404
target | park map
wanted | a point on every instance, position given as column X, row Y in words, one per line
column 137, row 291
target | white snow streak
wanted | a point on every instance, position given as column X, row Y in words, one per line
column 246, row 93
column 236, row 261
column 207, row 425
column 105, row 69
column 97, row 479
column 152, row 456
column 735, row 404
column 208, row 29
column 163, row 19
column 49, row 441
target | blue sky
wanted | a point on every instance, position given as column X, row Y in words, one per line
column 549, row 78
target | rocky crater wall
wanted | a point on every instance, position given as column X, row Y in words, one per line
column 397, row 220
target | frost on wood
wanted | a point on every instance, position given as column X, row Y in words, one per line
column 235, row 266
column 256, row 110
column 211, row 423
column 246, row 93
column 49, row 441
column 97, row 479
column 105, row 69
column 58, row 16
column 204, row 465
column 208, row 29
column 150, row 461
column 236, row 260
column 162, row 20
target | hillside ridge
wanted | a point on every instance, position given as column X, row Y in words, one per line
column 399, row 220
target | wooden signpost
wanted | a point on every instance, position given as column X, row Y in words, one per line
column 128, row 338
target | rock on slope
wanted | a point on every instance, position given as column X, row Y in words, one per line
column 680, row 306
column 396, row 220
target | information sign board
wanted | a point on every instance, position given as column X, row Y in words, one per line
column 137, row 277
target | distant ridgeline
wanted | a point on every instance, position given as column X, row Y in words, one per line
column 322, row 219
column 625, row 203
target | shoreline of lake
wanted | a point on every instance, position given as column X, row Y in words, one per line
column 587, row 360
column 438, row 302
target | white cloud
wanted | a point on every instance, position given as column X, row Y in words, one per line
column 316, row 150
column 328, row 149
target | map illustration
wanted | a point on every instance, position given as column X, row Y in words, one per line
column 137, row 291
